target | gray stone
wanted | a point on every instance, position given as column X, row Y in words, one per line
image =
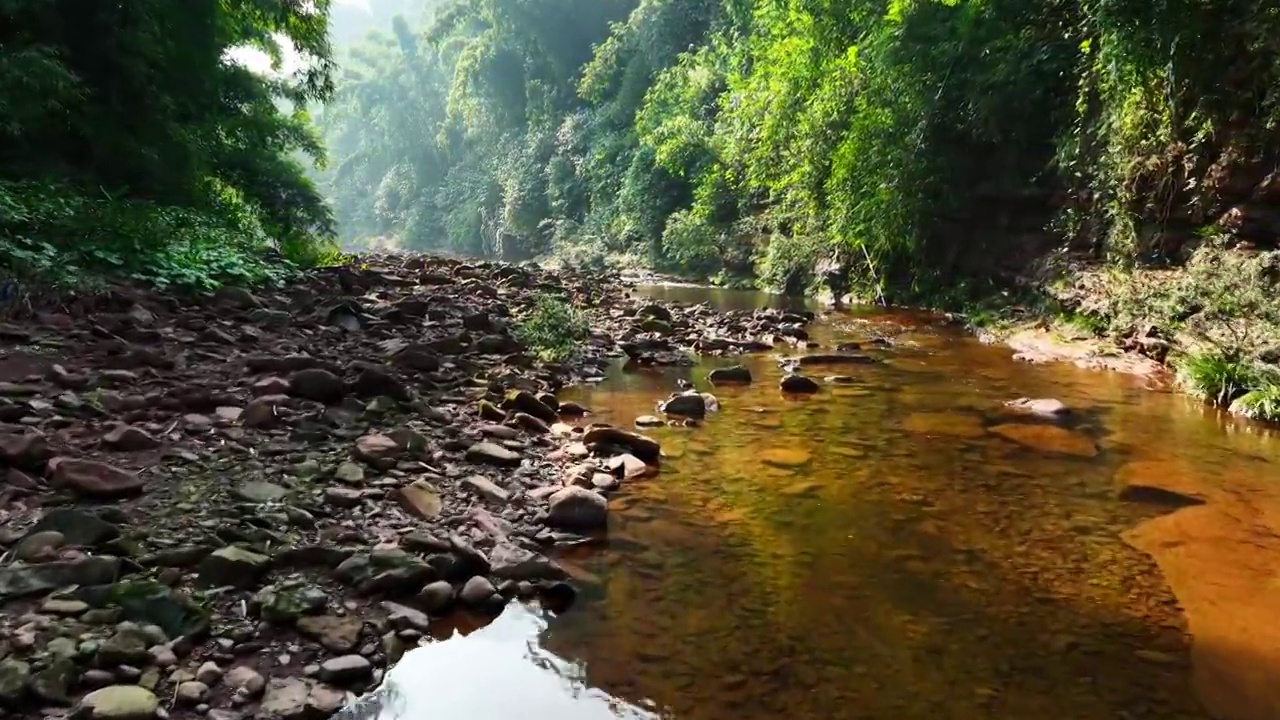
column 232, row 566
column 346, row 668
column 401, row 617
column 577, row 508
column 209, row 673
column 511, row 562
column 77, row 526
column 281, row 603
column 13, row 681
column 19, row 580
column 285, row 698
column 477, row 592
column 486, row 488
column 492, row 454
column 317, row 384
column 121, row 702
column 53, row 683
column 349, row 472
column 436, row 597
column 258, row 491
column 40, row 546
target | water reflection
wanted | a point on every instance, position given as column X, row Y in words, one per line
column 497, row 672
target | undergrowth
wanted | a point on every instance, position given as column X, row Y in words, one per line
column 56, row 237
column 552, row 329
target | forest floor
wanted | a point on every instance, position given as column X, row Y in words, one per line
column 253, row 503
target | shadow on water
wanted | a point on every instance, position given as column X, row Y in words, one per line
column 895, row 548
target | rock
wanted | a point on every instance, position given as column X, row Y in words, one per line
column 402, row 617
column 378, row 451
column 40, row 546
column 232, row 566
column 285, row 698
column 1048, row 439
column 317, row 384
column 28, row 451
column 627, row 466
column 127, row 438
column 571, row 409
column 1043, row 407
column 258, row 491
column 209, row 673
column 343, row 497
column 127, row 646
column 375, row 381
column 531, row 423
column 421, row 499
column 245, row 680
column 736, row 375
column 526, row 402
column 120, row 702
column 339, row 634
column 64, row 606
column 477, row 592
column 687, row 405
column 53, row 683
column 486, row 488
column 436, row 597
column 576, row 508
column 345, row 669
column 798, row 385
column 323, row 701
column 650, row 421
column 77, row 527
column 1146, row 494
column 18, row 580
column 643, row 447
column 490, row 453
column 489, row 411
column 14, row 675
column 511, row 562
column 191, row 692
column 262, row 412
column 840, row 359
column 283, row 603
column 349, row 472
column 783, row 457
column 655, row 311
column 93, row 479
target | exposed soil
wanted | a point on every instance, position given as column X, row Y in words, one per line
column 252, row 503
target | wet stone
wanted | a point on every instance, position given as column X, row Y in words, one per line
column 345, row 669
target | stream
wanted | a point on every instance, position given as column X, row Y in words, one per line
column 900, row 547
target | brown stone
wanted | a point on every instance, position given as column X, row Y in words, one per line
column 93, row 479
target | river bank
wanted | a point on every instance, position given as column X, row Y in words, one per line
column 252, row 503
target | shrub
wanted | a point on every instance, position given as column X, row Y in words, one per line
column 553, row 328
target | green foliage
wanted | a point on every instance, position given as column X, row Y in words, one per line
column 924, row 146
column 1215, row 377
column 130, row 144
column 552, row 328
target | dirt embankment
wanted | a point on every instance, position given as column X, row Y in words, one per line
column 249, row 504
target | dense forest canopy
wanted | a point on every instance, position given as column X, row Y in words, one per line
column 130, row 140
column 904, row 143
column 893, row 147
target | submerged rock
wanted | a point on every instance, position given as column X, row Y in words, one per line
column 1047, row 438
column 798, row 385
column 736, row 375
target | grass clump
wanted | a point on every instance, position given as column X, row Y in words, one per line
column 552, row 329
column 1215, row 377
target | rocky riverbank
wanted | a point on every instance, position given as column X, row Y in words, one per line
column 249, row 504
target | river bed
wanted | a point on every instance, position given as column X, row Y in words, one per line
column 900, row 548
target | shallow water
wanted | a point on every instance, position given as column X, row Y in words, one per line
column 897, row 548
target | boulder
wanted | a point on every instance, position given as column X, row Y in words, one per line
column 577, row 508
column 736, row 375
column 798, row 385
column 643, row 447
